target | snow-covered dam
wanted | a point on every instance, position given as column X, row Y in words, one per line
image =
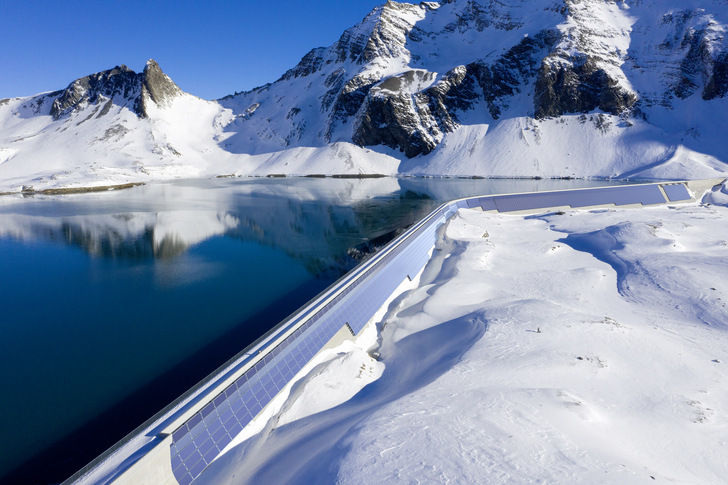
column 178, row 443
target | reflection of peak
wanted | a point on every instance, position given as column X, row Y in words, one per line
column 169, row 247
column 137, row 236
column 175, row 231
column 105, row 243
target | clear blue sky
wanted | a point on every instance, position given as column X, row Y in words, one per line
column 210, row 48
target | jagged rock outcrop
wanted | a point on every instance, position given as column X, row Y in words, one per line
column 119, row 82
column 121, row 86
column 717, row 84
column 156, row 86
column 578, row 86
column 412, row 112
column 396, row 113
column 509, row 74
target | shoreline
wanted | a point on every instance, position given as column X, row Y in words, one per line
column 29, row 191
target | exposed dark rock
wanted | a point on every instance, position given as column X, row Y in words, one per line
column 456, row 92
column 105, row 110
column 480, row 17
column 392, row 116
column 386, row 39
column 577, row 85
column 119, row 81
column 717, row 85
column 694, row 67
column 705, row 58
column 514, row 69
column 157, row 85
column 415, row 123
column 348, row 100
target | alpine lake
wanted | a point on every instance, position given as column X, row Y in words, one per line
column 113, row 304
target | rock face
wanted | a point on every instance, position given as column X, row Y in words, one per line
column 580, row 86
column 120, row 86
column 717, row 84
column 156, row 86
column 396, row 113
column 408, row 75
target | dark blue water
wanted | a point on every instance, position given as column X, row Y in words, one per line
column 113, row 304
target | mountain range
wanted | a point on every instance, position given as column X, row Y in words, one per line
column 495, row 88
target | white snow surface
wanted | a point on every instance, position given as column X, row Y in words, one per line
column 583, row 347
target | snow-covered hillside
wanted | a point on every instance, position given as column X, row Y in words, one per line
column 619, row 88
column 577, row 347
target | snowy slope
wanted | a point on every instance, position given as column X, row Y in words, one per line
column 104, row 138
column 585, row 347
column 499, row 89
column 551, row 88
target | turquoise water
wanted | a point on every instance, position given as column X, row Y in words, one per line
column 113, row 304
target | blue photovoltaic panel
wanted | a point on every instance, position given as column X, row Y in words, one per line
column 623, row 195
column 487, row 204
column 639, row 194
column 677, row 192
column 510, row 203
column 590, row 197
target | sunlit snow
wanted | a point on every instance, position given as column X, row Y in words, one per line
column 578, row 347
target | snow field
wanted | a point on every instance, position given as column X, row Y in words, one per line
column 585, row 347
column 608, row 392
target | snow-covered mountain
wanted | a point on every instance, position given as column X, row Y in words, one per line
column 612, row 88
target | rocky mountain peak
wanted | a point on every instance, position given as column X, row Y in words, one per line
column 381, row 35
column 408, row 75
column 121, row 86
column 156, row 85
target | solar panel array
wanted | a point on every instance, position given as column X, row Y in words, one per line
column 353, row 301
column 622, row 195
column 196, row 444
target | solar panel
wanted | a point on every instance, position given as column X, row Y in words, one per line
column 510, row 203
column 677, row 192
column 623, row 195
column 487, row 204
column 590, row 197
column 639, row 194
